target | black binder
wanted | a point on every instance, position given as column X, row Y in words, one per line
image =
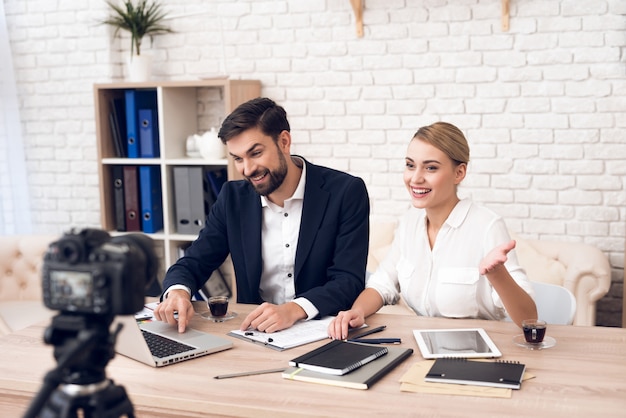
column 117, row 121
column 118, row 198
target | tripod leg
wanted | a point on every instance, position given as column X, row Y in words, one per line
column 112, row 402
column 109, row 402
column 60, row 405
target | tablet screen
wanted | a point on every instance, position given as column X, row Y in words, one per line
column 465, row 342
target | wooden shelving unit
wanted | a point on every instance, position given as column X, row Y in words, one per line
column 184, row 108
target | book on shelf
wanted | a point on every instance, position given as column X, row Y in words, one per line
column 131, row 198
column 148, row 133
column 150, row 198
column 501, row 374
column 118, row 198
column 339, row 357
column 117, row 122
column 135, row 99
column 192, row 199
column 362, row 378
column 217, row 177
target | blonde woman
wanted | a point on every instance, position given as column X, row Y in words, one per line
column 450, row 257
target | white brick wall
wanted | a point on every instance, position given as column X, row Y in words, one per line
column 543, row 105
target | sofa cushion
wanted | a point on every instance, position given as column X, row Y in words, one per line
column 21, row 258
column 539, row 267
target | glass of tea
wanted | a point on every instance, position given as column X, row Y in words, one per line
column 534, row 330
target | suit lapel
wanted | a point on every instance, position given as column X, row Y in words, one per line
column 251, row 241
column 313, row 210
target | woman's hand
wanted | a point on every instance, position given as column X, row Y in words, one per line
column 496, row 257
column 338, row 328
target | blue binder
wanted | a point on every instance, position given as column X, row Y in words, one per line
column 217, row 177
column 135, row 100
column 151, row 201
column 148, row 134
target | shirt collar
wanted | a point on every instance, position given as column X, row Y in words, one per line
column 457, row 216
column 459, row 213
column 299, row 192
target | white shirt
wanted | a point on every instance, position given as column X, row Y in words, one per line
column 445, row 281
column 279, row 240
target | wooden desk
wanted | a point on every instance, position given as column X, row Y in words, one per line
column 583, row 375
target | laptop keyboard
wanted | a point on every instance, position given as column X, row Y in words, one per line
column 162, row 347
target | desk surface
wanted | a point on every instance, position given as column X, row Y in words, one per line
column 583, row 375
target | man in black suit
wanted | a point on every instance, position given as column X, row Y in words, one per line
column 297, row 233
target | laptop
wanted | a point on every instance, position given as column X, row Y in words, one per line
column 158, row 344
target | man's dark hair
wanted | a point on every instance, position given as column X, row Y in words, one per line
column 262, row 113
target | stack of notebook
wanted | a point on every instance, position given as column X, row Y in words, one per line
column 346, row 364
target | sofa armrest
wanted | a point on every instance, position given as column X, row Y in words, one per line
column 586, row 272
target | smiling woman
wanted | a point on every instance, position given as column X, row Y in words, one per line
column 450, row 257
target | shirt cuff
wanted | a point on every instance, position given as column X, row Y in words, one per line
column 310, row 309
column 176, row 287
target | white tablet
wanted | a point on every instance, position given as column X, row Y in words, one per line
column 461, row 342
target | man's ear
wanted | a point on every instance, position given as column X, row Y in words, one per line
column 284, row 141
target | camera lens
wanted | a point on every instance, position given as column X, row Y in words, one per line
column 69, row 251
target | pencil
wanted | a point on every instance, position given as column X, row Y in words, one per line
column 251, row 373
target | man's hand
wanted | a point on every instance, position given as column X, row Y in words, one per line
column 495, row 258
column 268, row 317
column 177, row 302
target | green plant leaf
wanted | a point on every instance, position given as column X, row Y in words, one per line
column 139, row 20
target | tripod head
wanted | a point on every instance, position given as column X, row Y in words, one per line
column 97, row 346
column 83, row 347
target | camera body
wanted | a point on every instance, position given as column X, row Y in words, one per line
column 87, row 272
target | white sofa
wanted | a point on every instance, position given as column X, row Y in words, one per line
column 581, row 268
column 21, row 304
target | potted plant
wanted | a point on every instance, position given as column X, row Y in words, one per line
column 139, row 20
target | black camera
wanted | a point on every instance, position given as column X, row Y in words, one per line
column 91, row 277
column 88, row 272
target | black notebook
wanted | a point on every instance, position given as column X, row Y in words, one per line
column 499, row 374
column 362, row 378
column 338, row 357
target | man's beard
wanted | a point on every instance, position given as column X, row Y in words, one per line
column 276, row 177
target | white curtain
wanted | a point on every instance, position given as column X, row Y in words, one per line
column 15, row 216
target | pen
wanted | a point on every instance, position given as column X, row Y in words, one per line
column 376, row 340
column 227, row 376
column 371, row 331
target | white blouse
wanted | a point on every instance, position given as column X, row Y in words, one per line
column 445, row 281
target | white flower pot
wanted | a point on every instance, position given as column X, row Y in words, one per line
column 139, row 68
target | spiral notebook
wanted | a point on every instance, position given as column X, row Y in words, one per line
column 500, row 374
column 338, row 357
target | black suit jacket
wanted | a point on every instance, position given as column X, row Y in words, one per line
column 332, row 247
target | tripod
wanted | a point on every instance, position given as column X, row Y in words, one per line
column 83, row 347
